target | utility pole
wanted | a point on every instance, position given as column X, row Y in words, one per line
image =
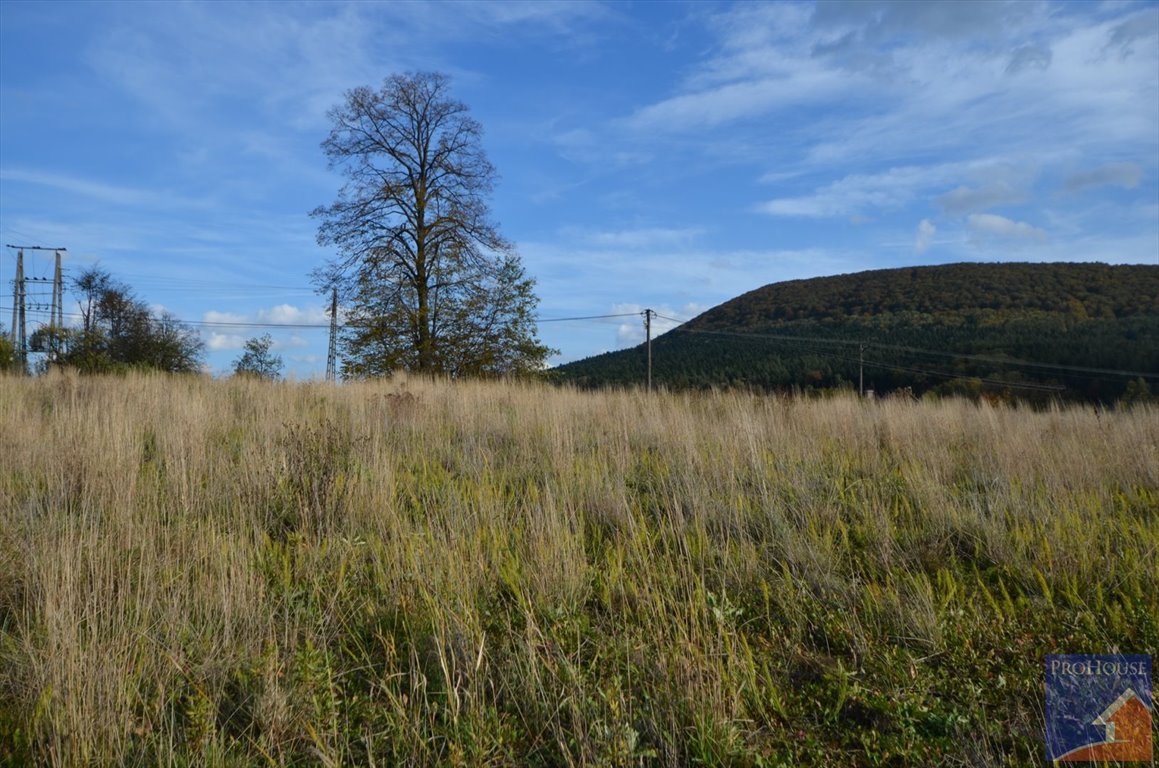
column 861, row 369
column 19, row 335
column 648, row 336
column 57, row 312
column 20, row 301
column 332, row 355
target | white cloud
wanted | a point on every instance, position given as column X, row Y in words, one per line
column 282, row 314
column 664, row 319
column 213, row 316
column 648, row 237
column 553, row 18
column 1000, row 226
column 288, row 314
column 803, row 84
column 219, row 342
column 980, row 184
column 859, row 193
column 763, row 65
column 919, row 79
column 925, row 236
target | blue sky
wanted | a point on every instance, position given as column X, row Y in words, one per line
column 663, row 155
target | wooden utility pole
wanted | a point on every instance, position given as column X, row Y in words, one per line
column 648, row 336
column 861, row 369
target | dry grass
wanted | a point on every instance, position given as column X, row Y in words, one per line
column 414, row 573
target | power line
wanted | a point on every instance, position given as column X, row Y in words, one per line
column 193, row 286
column 584, row 317
column 743, row 334
column 34, row 247
column 922, row 371
column 1010, row 362
column 927, row 371
column 258, row 324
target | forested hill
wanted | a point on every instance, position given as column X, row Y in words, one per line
column 1077, row 331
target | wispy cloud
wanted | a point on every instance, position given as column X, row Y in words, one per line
column 225, row 318
column 1000, row 226
column 964, row 199
column 742, row 100
column 288, row 314
column 933, row 77
column 1142, row 26
column 646, row 237
column 282, row 314
column 100, row 191
column 1125, row 175
column 284, row 64
column 865, row 193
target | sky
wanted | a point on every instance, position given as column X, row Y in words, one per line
column 650, row 155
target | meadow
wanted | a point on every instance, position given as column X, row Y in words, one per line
column 419, row 573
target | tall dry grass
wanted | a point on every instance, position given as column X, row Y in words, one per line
column 425, row 573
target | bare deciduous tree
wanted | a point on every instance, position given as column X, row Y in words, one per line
column 427, row 282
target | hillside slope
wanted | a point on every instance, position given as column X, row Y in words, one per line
column 1077, row 331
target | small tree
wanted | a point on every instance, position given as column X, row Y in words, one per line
column 7, row 352
column 119, row 331
column 1137, row 391
column 258, row 360
column 53, row 341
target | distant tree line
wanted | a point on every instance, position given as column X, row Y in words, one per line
column 118, row 332
column 957, row 329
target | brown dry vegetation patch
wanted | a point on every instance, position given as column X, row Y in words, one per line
column 236, row 572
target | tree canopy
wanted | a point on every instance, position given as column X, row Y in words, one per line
column 7, row 351
column 118, row 331
column 258, row 360
column 426, row 281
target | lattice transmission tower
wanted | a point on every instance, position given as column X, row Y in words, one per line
column 332, row 355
